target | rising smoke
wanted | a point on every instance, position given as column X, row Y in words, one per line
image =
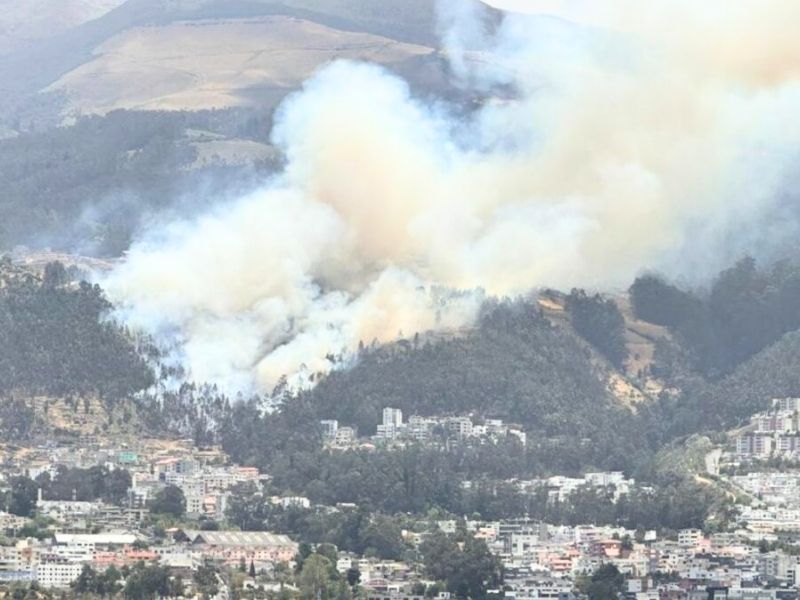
column 625, row 135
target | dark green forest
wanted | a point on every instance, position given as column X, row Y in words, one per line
column 599, row 321
column 515, row 364
column 735, row 345
column 55, row 339
column 745, row 309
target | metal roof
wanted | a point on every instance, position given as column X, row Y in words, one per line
column 120, row 539
column 238, row 538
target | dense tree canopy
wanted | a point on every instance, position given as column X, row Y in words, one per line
column 606, row 583
column 88, row 185
column 516, row 365
column 599, row 321
column 55, row 339
column 745, row 310
column 146, row 582
column 95, row 483
column 169, row 501
column 465, row 565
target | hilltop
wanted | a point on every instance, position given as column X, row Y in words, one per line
column 193, row 54
column 143, row 107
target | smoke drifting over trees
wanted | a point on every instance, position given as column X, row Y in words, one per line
column 628, row 137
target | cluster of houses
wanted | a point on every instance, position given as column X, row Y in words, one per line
column 756, row 561
column 203, row 475
column 774, row 433
column 394, row 429
column 206, row 488
column 540, row 560
column 547, row 561
column 560, row 488
column 544, row 561
column 774, row 488
column 100, row 534
column 773, row 502
column 57, row 562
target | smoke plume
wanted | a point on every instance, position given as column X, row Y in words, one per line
column 614, row 136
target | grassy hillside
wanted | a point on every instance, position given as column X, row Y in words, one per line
column 212, row 64
column 411, row 21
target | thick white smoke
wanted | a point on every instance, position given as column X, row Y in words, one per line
column 617, row 144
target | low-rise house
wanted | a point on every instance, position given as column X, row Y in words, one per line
column 293, row 502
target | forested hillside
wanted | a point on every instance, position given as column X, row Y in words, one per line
column 599, row 321
column 735, row 346
column 746, row 309
column 55, row 339
column 518, row 366
column 91, row 185
column 515, row 365
column 727, row 403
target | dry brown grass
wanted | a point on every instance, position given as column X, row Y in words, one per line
column 216, row 64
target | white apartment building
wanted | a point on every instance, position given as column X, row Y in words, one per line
column 345, row 436
column 329, row 428
column 392, row 416
column 294, row 502
column 780, row 422
column 788, row 444
column 392, row 426
column 57, row 573
column 389, row 432
column 786, row 404
column 754, row 445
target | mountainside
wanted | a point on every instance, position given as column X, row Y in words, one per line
column 515, row 365
column 218, row 63
column 180, row 32
column 63, row 365
column 352, row 299
column 55, row 340
column 772, row 373
column 575, row 369
column 90, row 186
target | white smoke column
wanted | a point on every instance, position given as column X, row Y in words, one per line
column 622, row 146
